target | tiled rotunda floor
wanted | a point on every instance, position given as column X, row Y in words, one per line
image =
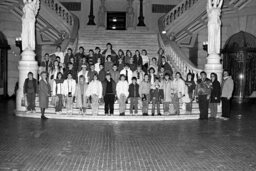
column 34, row 145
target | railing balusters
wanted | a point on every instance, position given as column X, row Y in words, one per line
column 61, row 10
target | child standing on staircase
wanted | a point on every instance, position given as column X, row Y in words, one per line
column 134, row 95
column 144, row 94
column 122, row 93
column 69, row 91
column 95, row 91
column 156, row 96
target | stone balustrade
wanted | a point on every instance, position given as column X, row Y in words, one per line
column 174, row 55
column 177, row 11
column 60, row 10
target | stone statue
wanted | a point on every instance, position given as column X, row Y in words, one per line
column 130, row 14
column 214, row 23
column 102, row 14
column 30, row 11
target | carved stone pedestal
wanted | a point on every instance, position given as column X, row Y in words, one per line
column 26, row 65
column 213, row 65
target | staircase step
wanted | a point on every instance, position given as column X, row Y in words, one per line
column 110, row 118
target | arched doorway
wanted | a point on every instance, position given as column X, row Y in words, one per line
column 3, row 65
column 240, row 60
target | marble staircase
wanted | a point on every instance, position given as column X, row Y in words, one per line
column 129, row 39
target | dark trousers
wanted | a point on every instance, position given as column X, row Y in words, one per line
column 59, row 104
column 31, row 97
column 225, row 107
column 109, row 100
column 203, row 106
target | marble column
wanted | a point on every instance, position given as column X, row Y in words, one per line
column 214, row 38
column 27, row 63
column 102, row 15
column 130, row 15
column 91, row 16
column 141, row 17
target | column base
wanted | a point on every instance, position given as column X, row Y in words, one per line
column 214, row 66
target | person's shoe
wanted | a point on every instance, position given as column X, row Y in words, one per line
column 106, row 114
column 159, row 114
column 153, row 114
column 44, row 117
column 121, row 114
column 111, row 114
column 33, row 111
column 146, row 114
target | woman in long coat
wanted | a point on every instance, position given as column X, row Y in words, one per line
column 44, row 93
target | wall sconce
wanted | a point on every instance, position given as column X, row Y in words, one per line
column 113, row 27
column 163, row 32
column 114, row 20
column 18, row 43
column 205, row 46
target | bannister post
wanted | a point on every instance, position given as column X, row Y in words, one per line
column 91, row 16
column 141, row 17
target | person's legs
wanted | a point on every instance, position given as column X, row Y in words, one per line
column 131, row 105
column 33, row 101
column 29, row 101
column 166, row 108
column 153, row 105
column 203, row 106
column 176, row 103
column 136, row 105
column 111, row 104
column 158, row 106
column 95, row 104
column 106, row 100
column 213, row 109
column 189, row 107
column 225, row 107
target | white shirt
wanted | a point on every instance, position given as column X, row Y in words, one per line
column 97, row 67
column 85, row 74
column 179, row 86
column 59, row 87
column 129, row 72
column 145, row 59
column 122, row 87
column 69, row 86
column 94, row 88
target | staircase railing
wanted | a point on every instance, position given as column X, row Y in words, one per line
column 176, row 12
column 71, row 22
column 174, row 54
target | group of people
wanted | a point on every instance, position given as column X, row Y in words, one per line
column 95, row 78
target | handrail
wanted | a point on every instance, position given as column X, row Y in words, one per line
column 175, row 54
column 60, row 10
column 176, row 12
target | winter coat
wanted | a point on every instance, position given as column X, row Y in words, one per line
column 44, row 91
column 144, row 88
column 104, row 86
column 122, row 87
column 113, row 55
column 69, row 86
column 227, row 87
column 134, row 90
column 215, row 92
column 203, row 87
column 25, row 88
column 94, row 88
column 115, row 75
